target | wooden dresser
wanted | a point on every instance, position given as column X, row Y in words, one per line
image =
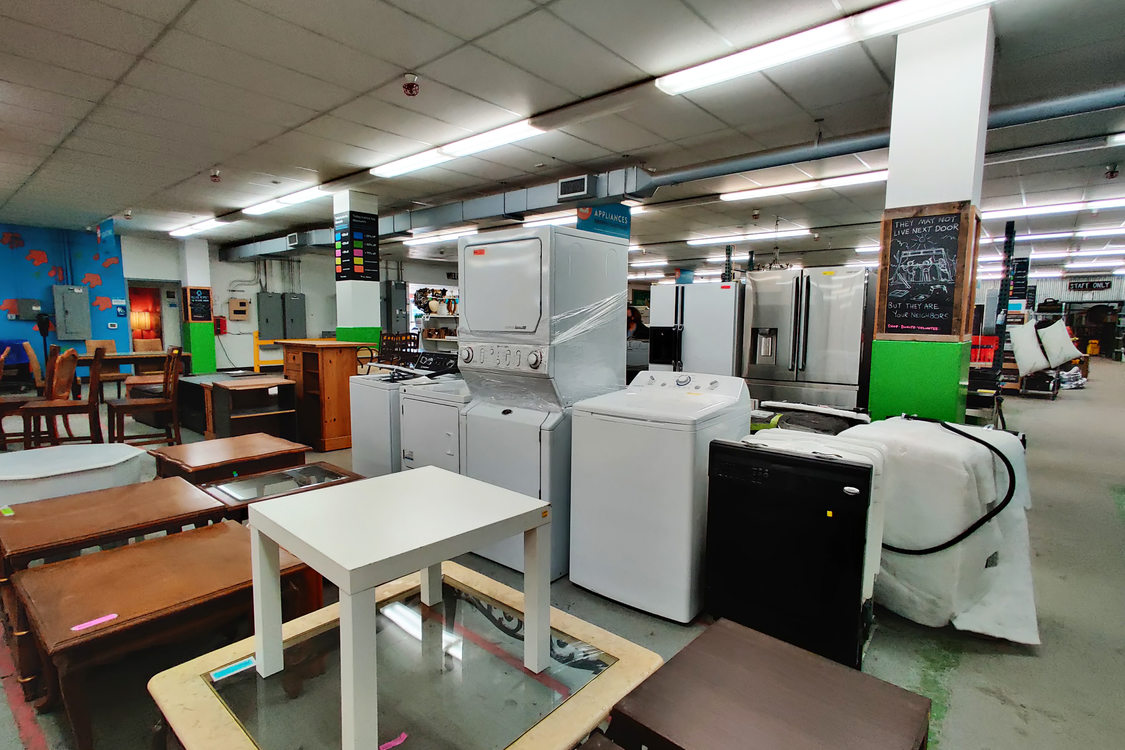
column 321, row 368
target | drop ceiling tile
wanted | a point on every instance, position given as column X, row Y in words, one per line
column 658, row 36
column 484, row 170
column 556, row 52
column 20, row 70
column 155, row 126
column 1071, row 71
column 178, row 158
column 215, row 94
column 14, row 160
column 264, row 35
column 92, row 133
column 383, row 115
column 747, row 23
column 354, row 134
column 483, row 75
column 448, row 105
column 749, row 102
column 87, row 19
column 10, row 131
column 518, row 157
column 375, row 27
column 710, row 146
column 466, row 19
column 563, row 147
column 43, row 101
column 33, row 118
column 27, row 148
column 613, row 134
column 194, row 54
column 190, row 113
column 157, row 10
column 830, row 78
column 328, row 157
column 670, row 117
column 883, row 51
column 45, row 45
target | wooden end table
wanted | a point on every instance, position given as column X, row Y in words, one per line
column 237, row 493
column 363, row 534
column 209, row 460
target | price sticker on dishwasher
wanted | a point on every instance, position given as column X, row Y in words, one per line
column 478, row 251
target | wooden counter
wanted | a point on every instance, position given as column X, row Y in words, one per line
column 321, row 369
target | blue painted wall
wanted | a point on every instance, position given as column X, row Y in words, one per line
column 33, row 259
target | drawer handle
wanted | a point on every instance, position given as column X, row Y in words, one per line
column 25, row 680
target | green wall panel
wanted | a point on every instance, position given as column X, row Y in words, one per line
column 364, row 334
column 199, row 339
column 926, row 378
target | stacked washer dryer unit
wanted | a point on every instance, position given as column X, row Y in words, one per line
column 542, row 326
column 639, row 513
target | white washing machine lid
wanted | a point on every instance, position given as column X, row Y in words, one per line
column 452, row 391
column 673, row 407
column 382, row 381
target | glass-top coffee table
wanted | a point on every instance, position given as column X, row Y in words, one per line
column 450, row 676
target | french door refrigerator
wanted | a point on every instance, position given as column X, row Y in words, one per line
column 696, row 327
column 807, row 335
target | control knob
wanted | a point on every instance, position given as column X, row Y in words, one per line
column 534, row 359
column 467, row 354
column 683, row 380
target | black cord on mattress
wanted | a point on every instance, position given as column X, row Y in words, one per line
column 980, row 521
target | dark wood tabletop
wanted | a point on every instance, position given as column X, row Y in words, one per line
column 734, row 687
column 130, row 358
column 211, row 460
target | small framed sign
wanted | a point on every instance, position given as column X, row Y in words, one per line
column 197, row 308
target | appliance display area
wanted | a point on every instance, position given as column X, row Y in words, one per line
column 542, row 326
column 697, row 327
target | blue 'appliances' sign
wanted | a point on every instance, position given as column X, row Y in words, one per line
column 612, row 219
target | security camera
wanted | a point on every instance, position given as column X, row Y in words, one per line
column 816, row 236
column 128, row 214
column 410, row 85
column 215, row 176
column 1111, row 172
column 756, row 214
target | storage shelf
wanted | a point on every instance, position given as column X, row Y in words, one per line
column 436, row 315
column 271, row 413
column 447, row 338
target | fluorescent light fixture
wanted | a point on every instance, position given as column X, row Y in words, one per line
column 708, row 272
column 861, row 178
column 648, row 263
column 411, row 163
column 732, row 239
column 263, row 208
column 634, row 210
column 1036, row 255
column 1095, row 253
column 1095, row 264
column 667, row 281
column 864, row 263
column 308, row 194
column 191, row 229
column 1045, row 275
column 990, row 259
column 1058, row 208
column 989, row 276
column 867, row 249
column 1116, row 139
column 635, row 248
column 558, row 221
column 723, row 259
column 1111, row 232
column 888, row 19
column 1119, row 272
column 517, row 131
column 434, row 239
column 637, row 276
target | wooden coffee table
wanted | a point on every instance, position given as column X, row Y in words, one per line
column 210, row 460
column 99, row 608
column 239, row 492
column 733, row 687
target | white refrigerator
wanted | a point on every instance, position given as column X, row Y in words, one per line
column 696, row 327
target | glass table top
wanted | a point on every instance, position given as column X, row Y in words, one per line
column 450, row 677
column 248, row 489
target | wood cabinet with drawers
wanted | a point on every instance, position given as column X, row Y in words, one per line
column 321, row 368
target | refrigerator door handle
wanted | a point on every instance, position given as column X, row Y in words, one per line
column 796, row 322
column 804, row 342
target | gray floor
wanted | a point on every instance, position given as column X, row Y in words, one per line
column 987, row 694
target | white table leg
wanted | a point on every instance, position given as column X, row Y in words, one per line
column 359, row 696
column 265, row 566
column 537, row 598
column 431, row 585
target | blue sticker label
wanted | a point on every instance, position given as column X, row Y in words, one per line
column 238, row 666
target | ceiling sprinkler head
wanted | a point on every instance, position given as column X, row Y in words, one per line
column 128, row 214
column 216, row 176
column 410, row 85
column 1111, row 172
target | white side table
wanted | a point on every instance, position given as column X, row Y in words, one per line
column 366, row 533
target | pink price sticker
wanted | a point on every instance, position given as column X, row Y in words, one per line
column 394, row 743
column 92, row 623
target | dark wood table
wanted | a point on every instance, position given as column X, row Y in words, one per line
column 278, row 483
column 62, row 525
column 733, row 687
column 97, row 609
column 134, row 358
column 210, row 460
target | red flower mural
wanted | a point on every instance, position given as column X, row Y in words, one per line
column 57, row 274
column 10, row 305
column 92, row 280
column 37, row 257
column 109, row 262
column 102, row 303
column 12, row 240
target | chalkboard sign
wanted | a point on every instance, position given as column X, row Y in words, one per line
column 1099, row 285
column 922, row 274
column 198, row 307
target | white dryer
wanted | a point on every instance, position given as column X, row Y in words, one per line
column 639, row 487
column 430, row 425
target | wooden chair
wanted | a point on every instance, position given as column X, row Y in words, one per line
column 146, row 345
column 11, row 404
column 34, row 366
column 110, row 373
column 58, row 402
column 4, row 358
column 166, row 402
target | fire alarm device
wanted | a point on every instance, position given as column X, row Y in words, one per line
column 238, row 308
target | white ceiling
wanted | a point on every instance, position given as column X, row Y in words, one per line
column 114, row 104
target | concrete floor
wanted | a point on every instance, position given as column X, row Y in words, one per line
column 988, row 694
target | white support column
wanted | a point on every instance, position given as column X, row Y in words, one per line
column 431, row 585
column 358, row 303
column 359, row 694
column 265, row 567
column 195, row 263
column 939, row 118
column 537, row 598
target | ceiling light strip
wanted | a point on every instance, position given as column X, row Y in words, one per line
column 503, row 136
column 757, row 236
column 1056, row 208
column 196, row 228
column 861, row 178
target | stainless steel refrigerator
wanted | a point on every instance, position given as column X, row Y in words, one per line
column 807, row 335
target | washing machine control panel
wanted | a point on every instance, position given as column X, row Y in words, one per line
column 688, row 382
column 527, row 359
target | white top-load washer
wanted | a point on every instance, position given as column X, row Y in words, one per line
column 639, row 487
column 542, row 326
column 431, row 423
column 375, row 412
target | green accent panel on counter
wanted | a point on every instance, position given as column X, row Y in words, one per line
column 926, row 378
column 363, row 334
column 199, row 339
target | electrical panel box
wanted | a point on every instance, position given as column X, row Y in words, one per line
column 271, row 316
column 294, row 306
column 28, row 309
column 238, row 308
column 395, row 311
column 72, row 313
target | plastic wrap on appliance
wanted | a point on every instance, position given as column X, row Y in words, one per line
column 501, row 388
column 583, row 320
